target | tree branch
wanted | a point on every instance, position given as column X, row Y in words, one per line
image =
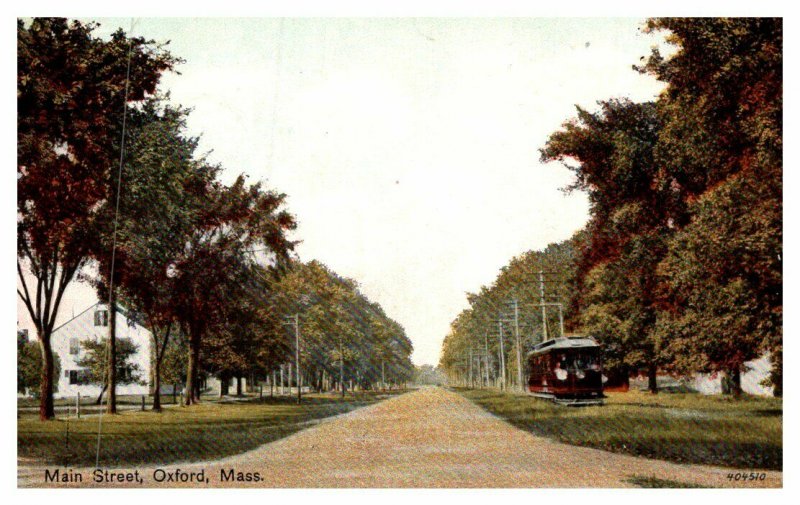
column 66, row 276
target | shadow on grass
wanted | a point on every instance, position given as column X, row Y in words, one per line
column 683, row 429
column 203, row 432
column 655, row 482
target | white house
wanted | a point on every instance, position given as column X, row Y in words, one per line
column 92, row 324
column 754, row 374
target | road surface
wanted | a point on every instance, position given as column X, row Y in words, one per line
column 427, row 438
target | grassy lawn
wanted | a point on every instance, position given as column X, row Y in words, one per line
column 201, row 432
column 685, row 427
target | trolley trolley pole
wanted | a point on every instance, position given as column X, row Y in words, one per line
column 544, row 312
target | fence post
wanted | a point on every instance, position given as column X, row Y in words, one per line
column 78, row 405
column 142, row 403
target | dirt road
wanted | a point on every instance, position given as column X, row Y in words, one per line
column 427, row 438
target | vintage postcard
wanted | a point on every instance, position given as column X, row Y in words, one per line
column 398, row 252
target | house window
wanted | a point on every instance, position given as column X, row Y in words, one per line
column 101, row 318
column 77, row 377
column 74, row 346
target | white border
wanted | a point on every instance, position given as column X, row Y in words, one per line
column 450, row 8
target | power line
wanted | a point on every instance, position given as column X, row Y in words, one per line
column 112, row 310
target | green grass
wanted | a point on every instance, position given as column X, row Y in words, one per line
column 681, row 427
column 201, row 432
column 655, row 482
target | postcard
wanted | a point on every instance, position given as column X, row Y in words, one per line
column 396, row 252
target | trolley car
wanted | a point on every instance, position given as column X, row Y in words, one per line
column 567, row 370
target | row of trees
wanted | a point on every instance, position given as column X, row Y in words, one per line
column 207, row 267
column 489, row 339
column 679, row 267
column 344, row 337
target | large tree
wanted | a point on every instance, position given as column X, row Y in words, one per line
column 71, row 92
column 163, row 200
column 611, row 153
column 247, row 340
column 237, row 220
column 720, row 153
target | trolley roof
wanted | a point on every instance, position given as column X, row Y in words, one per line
column 561, row 343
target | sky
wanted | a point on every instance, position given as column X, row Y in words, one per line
column 408, row 148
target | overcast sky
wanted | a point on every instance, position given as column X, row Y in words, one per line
column 408, row 148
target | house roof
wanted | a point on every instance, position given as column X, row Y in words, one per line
column 120, row 309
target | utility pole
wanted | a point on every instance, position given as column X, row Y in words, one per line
column 297, row 355
column 486, row 357
column 341, row 367
column 544, row 309
column 502, row 354
column 561, row 318
column 295, row 320
column 519, row 352
column 470, row 367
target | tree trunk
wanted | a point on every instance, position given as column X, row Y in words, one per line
column 111, row 370
column 99, row 399
column 191, row 370
column 46, row 407
column 776, row 374
column 238, row 386
column 224, row 385
column 736, row 381
column 157, row 386
column 341, row 368
column 652, row 384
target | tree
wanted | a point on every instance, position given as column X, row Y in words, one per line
column 720, row 153
column 247, row 339
column 162, row 203
column 94, row 360
column 631, row 215
column 237, row 219
column 29, row 366
column 70, row 97
column 428, row 375
column 173, row 362
column 723, row 280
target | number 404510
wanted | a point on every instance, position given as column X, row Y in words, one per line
column 746, row 476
